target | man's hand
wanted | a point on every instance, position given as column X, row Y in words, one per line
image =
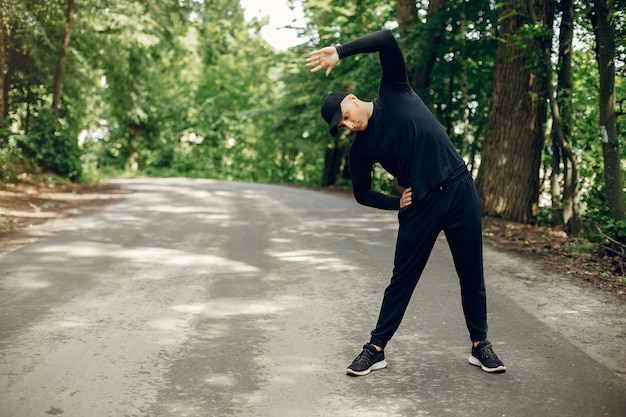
column 323, row 58
column 407, row 197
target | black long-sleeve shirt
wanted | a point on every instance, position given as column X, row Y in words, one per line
column 402, row 133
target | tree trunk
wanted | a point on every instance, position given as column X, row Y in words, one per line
column 58, row 77
column 605, row 53
column 3, row 103
column 464, row 92
column 568, row 208
column 30, row 99
column 133, row 163
column 333, row 157
column 407, row 15
column 434, row 30
column 508, row 178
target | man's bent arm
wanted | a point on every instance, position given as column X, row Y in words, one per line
column 384, row 42
column 377, row 200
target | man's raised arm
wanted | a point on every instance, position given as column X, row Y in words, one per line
column 381, row 41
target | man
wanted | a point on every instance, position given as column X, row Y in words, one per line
column 398, row 131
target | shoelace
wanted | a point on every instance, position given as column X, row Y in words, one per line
column 488, row 353
column 366, row 354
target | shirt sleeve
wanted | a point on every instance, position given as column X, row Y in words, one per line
column 376, row 200
column 361, row 172
column 383, row 42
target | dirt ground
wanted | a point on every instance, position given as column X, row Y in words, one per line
column 551, row 250
column 23, row 206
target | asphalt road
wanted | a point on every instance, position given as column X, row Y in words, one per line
column 205, row 298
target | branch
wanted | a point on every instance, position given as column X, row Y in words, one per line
column 610, row 239
column 614, row 249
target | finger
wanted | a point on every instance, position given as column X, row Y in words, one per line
column 328, row 71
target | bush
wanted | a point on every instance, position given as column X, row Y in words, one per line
column 8, row 160
column 51, row 147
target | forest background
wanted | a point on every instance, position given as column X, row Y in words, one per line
column 531, row 92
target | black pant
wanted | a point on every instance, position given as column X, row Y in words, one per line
column 455, row 208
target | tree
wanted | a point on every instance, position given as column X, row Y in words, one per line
column 234, row 98
column 58, row 76
column 602, row 20
column 428, row 35
column 565, row 208
column 3, row 103
column 32, row 31
column 508, row 179
column 138, row 51
column 407, row 15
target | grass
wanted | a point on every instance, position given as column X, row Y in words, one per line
column 581, row 247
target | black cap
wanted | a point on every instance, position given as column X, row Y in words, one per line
column 331, row 110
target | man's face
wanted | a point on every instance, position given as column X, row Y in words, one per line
column 353, row 114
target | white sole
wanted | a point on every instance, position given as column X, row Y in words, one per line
column 474, row 361
column 378, row 365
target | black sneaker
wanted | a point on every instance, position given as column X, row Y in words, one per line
column 369, row 360
column 484, row 356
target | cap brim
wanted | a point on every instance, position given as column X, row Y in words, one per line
column 334, row 121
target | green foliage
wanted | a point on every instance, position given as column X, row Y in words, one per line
column 51, row 147
column 7, row 168
column 10, row 159
column 90, row 174
column 581, row 248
